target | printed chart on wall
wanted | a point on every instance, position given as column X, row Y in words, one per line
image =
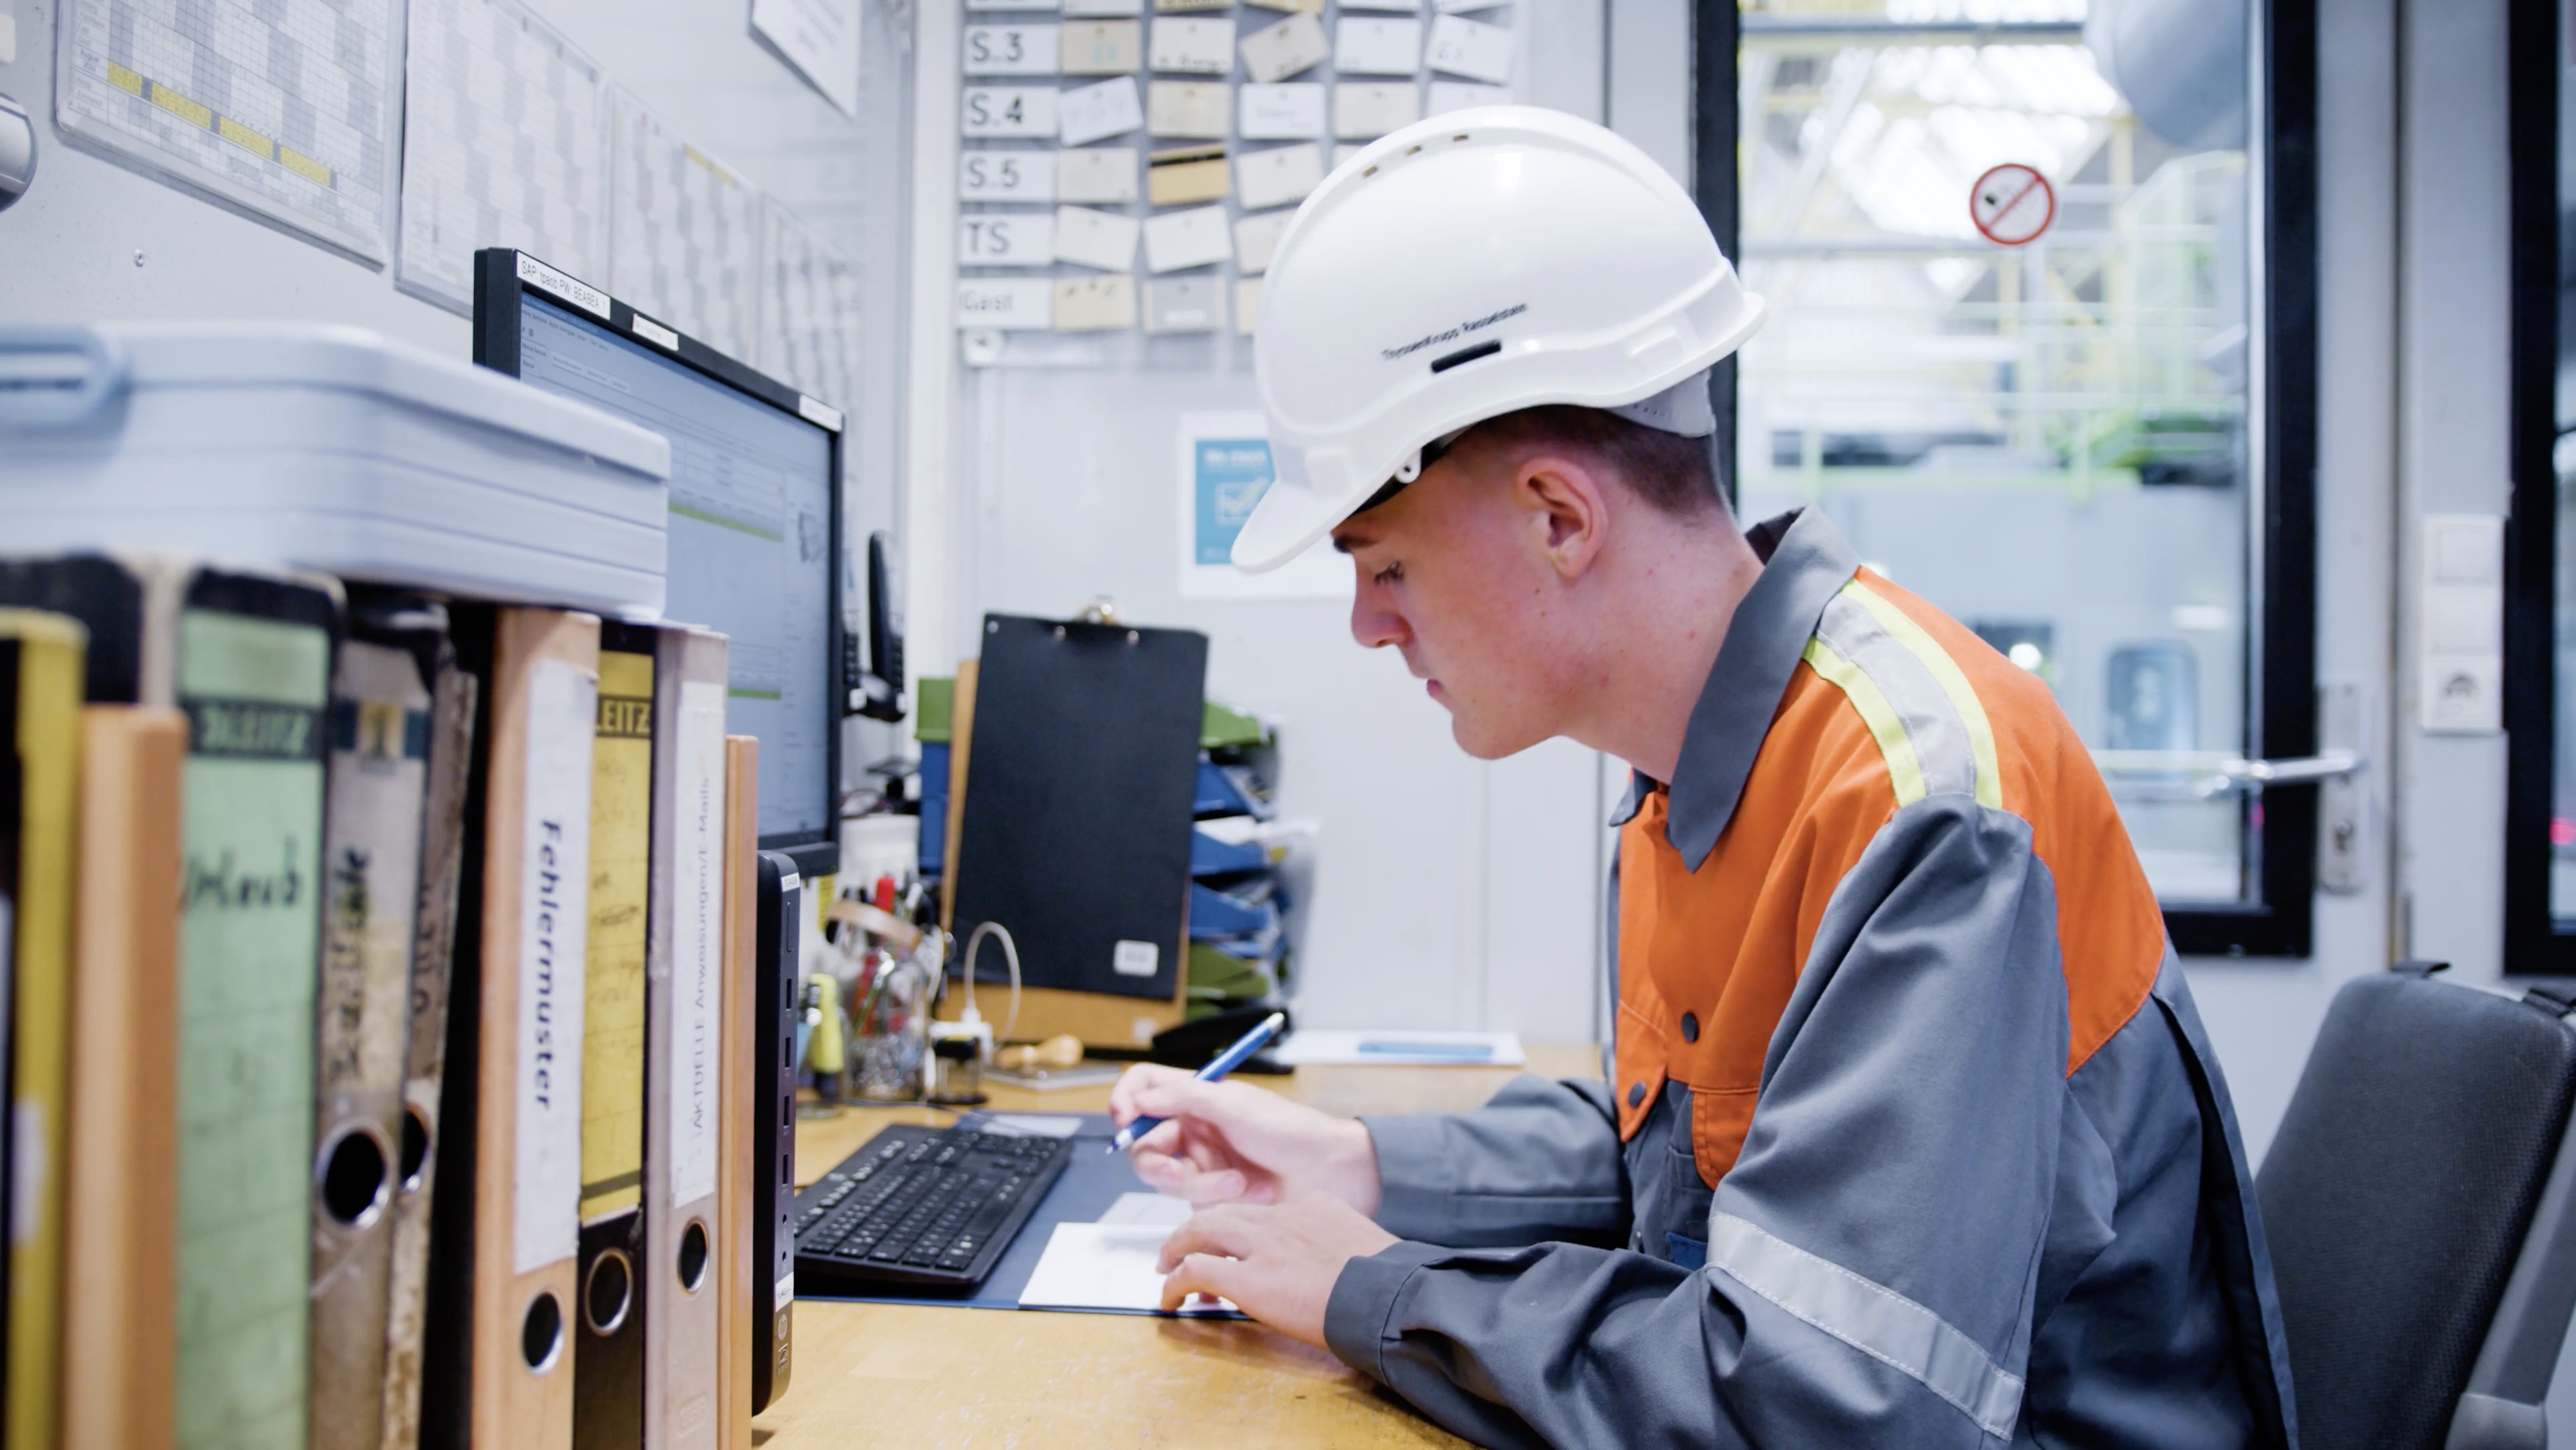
column 1224, row 470
column 681, row 234
column 809, row 307
column 283, row 107
column 504, row 145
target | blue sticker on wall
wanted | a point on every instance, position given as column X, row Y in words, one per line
column 1232, row 475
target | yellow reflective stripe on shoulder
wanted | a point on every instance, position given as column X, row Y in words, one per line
column 1954, row 682
column 1904, row 769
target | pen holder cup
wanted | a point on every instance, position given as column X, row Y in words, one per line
column 892, row 1031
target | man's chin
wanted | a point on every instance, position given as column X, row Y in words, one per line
column 1486, row 743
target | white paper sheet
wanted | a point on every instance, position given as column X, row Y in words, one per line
column 1447, row 96
column 820, row 38
column 286, row 108
column 1256, row 237
column 1148, row 1208
column 1364, row 111
column 1100, row 47
column 1386, row 1048
column 1102, row 239
column 1280, row 176
column 1198, row 237
column 1192, row 110
column 1104, row 1266
column 1193, row 46
column 1102, row 174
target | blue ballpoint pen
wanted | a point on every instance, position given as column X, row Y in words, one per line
column 1226, row 1062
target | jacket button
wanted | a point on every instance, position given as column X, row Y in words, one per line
column 1690, row 1027
column 1636, row 1093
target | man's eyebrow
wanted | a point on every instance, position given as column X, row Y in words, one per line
column 1345, row 542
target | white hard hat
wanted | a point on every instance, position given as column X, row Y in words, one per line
column 1465, row 267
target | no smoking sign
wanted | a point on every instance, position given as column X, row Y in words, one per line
column 2012, row 204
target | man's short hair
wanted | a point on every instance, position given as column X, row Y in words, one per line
column 1672, row 473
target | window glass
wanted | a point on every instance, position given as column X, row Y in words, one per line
column 2562, row 794
column 2051, row 436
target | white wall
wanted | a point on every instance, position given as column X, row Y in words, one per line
column 69, row 249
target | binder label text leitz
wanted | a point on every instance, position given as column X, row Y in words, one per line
column 697, row 946
column 554, row 931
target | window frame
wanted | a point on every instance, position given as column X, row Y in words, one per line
column 2535, row 941
column 2279, row 920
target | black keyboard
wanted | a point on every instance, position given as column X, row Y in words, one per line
column 923, row 1207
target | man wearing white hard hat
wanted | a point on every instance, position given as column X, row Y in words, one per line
column 1913, row 1136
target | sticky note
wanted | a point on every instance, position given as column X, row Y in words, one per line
column 1095, row 304
column 1006, row 176
column 1247, row 304
column 1073, row 8
column 1187, row 108
column 1009, row 50
column 1101, row 47
column 1096, row 113
column 1377, row 47
column 1101, row 174
column 1195, row 238
column 1007, row 112
column 1193, row 47
column 1470, row 48
column 1256, row 238
column 1005, row 239
column 1290, row 112
column 1280, row 176
column 1366, row 110
column 1185, row 304
column 1447, row 96
column 1276, row 52
column 1019, row 304
column 1102, row 239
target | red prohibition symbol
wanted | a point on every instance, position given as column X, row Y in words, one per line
column 2012, row 204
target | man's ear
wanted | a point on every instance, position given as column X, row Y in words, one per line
column 1568, row 508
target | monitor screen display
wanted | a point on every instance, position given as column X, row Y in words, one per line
column 750, row 541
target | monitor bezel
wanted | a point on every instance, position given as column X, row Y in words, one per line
column 500, row 290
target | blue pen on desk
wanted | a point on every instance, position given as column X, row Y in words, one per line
column 1226, row 1062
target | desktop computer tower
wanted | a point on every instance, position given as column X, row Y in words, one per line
column 773, row 1233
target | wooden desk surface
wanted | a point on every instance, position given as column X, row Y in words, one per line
column 900, row 1374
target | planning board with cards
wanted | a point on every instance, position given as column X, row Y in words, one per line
column 1131, row 165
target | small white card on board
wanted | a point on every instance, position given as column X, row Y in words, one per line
column 1276, row 52
column 1096, row 113
column 1367, row 47
column 1256, row 237
column 1103, row 174
column 1101, row 47
column 1102, row 7
column 1190, row 46
column 1193, row 238
column 1095, row 304
column 1366, row 110
column 1191, row 109
column 1470, row 48
column 1185, row 304
column 1447, row 96
column 1281, row 176
column 1290, row 112
column 1102, row 239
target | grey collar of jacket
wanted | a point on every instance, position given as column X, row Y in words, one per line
column 1805, row 560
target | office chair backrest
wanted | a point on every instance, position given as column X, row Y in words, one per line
column 2418, row 1205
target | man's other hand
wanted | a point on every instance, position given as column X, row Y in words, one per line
column 1277, row 1264
column 1230, row 1142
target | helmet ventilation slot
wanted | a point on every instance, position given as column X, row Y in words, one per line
column 1465, row 355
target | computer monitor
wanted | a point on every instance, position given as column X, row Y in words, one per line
column 755, row 520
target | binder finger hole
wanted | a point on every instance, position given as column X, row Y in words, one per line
column 354, row 1184
column 608, row 1292
column 693, row 1256
column 541, row 1334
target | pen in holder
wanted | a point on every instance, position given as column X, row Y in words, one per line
column 893, row 1020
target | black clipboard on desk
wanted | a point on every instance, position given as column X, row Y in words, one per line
column 1074, row 766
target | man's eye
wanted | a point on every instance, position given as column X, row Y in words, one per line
column 1392, row 573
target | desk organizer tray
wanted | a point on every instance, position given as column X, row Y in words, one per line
column 329, row 448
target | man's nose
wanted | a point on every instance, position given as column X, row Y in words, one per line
column 1373, row 623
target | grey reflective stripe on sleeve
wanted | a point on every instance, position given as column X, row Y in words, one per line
column 1877, row 1321
column 1941, row 717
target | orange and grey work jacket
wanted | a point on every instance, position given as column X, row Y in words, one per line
column 1915, row 1139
